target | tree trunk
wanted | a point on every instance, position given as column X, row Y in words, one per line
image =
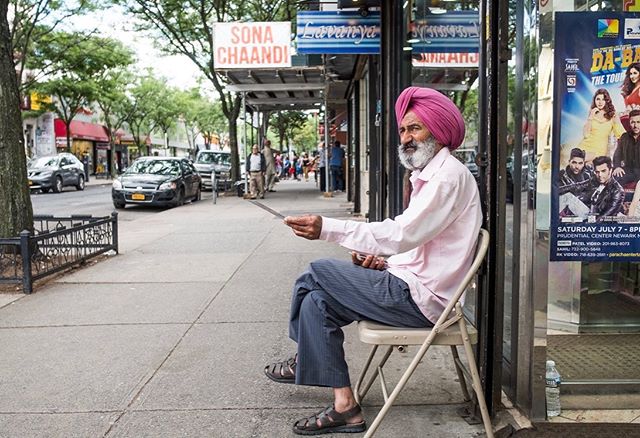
column 16, row 213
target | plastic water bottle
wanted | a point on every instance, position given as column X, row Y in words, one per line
column 552, row 389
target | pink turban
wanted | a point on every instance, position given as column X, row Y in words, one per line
column 439, row 114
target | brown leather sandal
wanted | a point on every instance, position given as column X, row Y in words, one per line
column 282, row 372
column 330, row 421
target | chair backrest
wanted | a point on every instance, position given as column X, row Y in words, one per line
column 481, row 252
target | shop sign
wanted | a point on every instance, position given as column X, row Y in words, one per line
column 39, row 100
column 103, row 146
column 595, row 168
column 252, row 45
column 452, row 32
column 338, row 32
column 448, row 60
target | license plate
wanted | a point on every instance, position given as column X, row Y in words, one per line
column 137, row 197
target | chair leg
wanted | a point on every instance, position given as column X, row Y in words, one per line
column 475, row 376
column 363, row 373
column 360, row 394
column 461, row 379
column 400, row 386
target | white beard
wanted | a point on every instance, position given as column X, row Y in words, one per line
column 418, row 160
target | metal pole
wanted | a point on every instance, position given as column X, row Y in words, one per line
column 326, row 146
column 244, row 140
column 25, row 253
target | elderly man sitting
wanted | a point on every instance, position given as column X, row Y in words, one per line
column 431, row 246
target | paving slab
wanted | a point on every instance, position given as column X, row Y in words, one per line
column 136, row 267
column 191, row 424
column 6, row 299
column 205, row 243
column 119, row 303
column 71, row 369
column 405, row 421
column 264, row 283
column 220, row 366
column 91, row 424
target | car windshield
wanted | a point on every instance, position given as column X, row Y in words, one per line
column 213, row 158
column 43, row 162
column 155, row 167
column 466, row 156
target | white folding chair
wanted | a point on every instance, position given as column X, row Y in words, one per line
column 451, row 329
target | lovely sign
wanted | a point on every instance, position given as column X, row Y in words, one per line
column 252, row 45
column 338, row 32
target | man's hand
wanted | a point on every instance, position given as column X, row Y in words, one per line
column 368, row 261
column 308, row 227
column 618, row 172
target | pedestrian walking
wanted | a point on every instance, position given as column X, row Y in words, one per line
column 270, row 174
column 335, row 164
column 256, row 167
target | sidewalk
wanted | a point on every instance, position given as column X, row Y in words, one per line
column 169, row 338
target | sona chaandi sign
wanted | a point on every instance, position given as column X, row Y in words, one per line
column 252, row 45
column 338, row 32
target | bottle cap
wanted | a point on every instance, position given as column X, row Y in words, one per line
column 551, row 363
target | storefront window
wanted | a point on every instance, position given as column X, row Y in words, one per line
column 593, row 304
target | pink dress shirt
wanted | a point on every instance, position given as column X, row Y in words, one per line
column 432, row 242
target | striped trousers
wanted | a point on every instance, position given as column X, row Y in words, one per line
column 331, row 294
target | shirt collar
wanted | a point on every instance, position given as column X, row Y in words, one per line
column 432, row 166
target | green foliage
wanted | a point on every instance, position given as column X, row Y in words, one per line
column 86, row 67
column 186, row 28
column 36, row 20
column 285, row 124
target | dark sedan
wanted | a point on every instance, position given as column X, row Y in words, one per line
column 56, row 172
column 163, row 181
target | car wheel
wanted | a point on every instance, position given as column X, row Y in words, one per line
column 57, row 185
column 45, row 190
column 80, row 185
column 119, row 205
column 180, row 198
column 198, row 195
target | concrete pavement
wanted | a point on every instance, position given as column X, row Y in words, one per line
column 169, row 338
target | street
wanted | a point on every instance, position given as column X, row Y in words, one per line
column 93, row 200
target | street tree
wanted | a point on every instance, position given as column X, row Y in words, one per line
column 306, row 135
column 211, row 120
column 36, row 20
column 111, row 98
column 144, row 96
column 285, row 123
column 164, row 110
column 82, row 69
column 16, row 213
column 185, row 27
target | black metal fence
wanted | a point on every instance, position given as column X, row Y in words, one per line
column 57, row 244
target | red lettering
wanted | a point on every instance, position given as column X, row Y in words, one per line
column 255, row 55
column 220, row 56
column 257, row 35
column 235, row 37
column 244, row 56
column 268, row 35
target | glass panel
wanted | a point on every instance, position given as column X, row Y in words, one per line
column 453, row 74
column 593, row 309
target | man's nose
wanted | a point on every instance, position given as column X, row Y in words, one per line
column 405, row 138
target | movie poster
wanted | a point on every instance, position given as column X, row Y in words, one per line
column 595, row 200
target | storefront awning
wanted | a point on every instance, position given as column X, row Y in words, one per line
column 82, row 131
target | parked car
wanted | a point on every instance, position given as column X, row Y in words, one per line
column 210, row 161
column 55, row 172
column 468, row 158
column 164, row 181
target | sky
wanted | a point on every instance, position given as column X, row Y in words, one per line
column 179, row 70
